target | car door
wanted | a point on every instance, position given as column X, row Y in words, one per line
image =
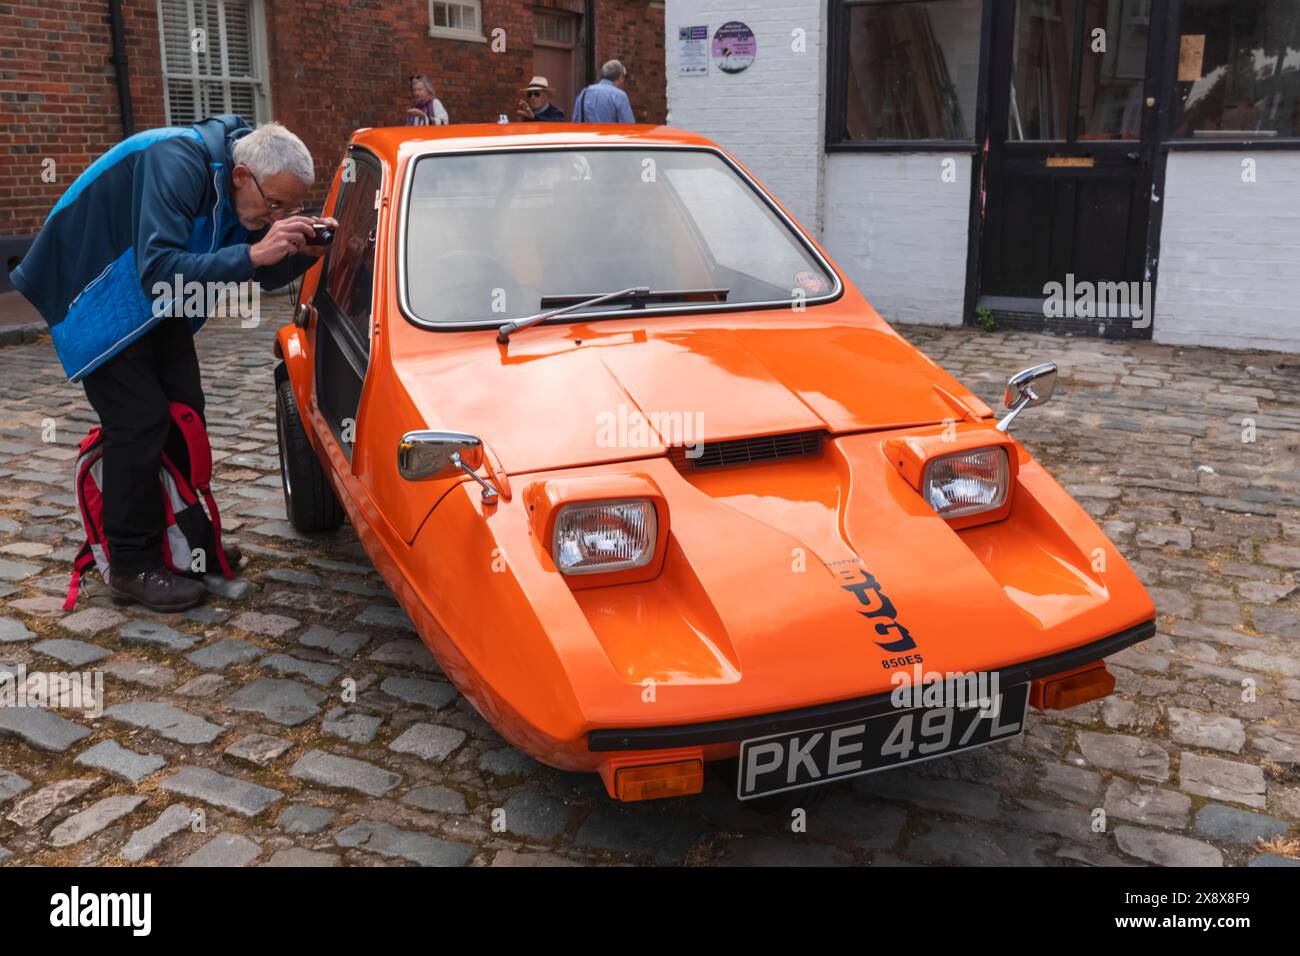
column 344, row 299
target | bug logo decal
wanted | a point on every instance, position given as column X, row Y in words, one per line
column 880, row 612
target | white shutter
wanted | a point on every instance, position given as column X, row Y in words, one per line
column 225, row 75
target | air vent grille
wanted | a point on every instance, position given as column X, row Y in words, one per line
column 747, row 451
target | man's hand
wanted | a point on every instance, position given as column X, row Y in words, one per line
column 283, row 239
column 319, row 251
column 525, row 111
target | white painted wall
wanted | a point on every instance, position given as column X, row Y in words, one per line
column 1229, row 271
column 771, row 116
column 898, row 231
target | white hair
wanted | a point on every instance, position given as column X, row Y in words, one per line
column 271, row 149
column 612, row 70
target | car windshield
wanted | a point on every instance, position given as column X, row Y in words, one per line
column 493, row 237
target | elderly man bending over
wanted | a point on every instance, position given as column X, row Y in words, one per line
column 216, row 202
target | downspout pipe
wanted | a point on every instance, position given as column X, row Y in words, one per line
column 118, row 59
column 589, row 15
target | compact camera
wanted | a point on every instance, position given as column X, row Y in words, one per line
column 324, row 234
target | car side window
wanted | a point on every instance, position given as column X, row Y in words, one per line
column 350, row 269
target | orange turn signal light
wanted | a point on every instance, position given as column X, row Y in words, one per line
column 1061, row 691
column 659, row 780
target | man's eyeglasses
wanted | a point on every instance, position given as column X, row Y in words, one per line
column 274, row 205
column 534, row 94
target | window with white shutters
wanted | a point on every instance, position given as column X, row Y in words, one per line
column 212, row 59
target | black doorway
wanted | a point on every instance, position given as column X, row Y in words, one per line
column 1072, row 151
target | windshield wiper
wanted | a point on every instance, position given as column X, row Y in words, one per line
column 638, row 295
column 503, row 334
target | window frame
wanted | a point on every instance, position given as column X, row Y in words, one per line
column 452, row 33
column 362, row 157
column 408, row 178
column 257, row 54
column 836, row 133
column 1167, row 141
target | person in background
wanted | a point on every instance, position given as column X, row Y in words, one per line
column 536, row 106
column 606, row 101
column 427, row 110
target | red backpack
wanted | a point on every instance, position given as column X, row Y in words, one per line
column 185, row 476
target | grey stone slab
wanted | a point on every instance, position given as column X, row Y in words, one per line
column 223, row 654
column 431, row 742
column 155, row 634
column 970, row 845
column 1125, row 754
column 508, row 763
column 1143, row 803
column 1221, row 779
column 438, row 799
column 405, row 654
column 423, row 693
column 94, row 818
column 1212, row 731
column 224, row 849
column 205, row 685
column 952, row 796
column 144, row 673
column 355, row 728
column 270, row 625
column 1166, row 849
column 387, row 840
column 258, row 750
column 16, row 570
column 1272, row 859
column 1233, row 825
column 166, row 721
column 13, row 630
column 111, row 756
column 291, row 576
column 147, row 839
column 285, row 702
column 664, row 839
column 35, row 807
column 301, row 856
column 387, row 616
column 72, row 653
column 536, row 815
column 301, row 818
column 40, row 728
column 331, row 770
column 314, row 671
column 92, row 620
column 344, row 645
column 220, row 790
column 11, row 784
column 1072, row 783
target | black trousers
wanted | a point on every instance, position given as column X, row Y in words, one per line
column 130, row 393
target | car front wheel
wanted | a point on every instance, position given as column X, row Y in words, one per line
column 309, row 500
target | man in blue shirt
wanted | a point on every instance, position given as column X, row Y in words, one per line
column 606, row 101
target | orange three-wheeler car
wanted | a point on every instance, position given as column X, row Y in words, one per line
column 655, row 483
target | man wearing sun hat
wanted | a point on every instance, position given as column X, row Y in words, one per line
column 536, row 106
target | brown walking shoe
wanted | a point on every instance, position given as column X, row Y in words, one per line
column 157, row 589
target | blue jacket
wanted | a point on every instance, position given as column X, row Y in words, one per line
column 154, row 206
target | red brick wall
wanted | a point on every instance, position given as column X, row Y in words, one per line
column 58, row 96
column 335, row 66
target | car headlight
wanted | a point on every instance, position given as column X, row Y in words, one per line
column 602, row 536
column 967, row 482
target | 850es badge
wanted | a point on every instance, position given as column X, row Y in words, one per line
column 881, row 615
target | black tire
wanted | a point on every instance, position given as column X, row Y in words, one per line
column 309, row 500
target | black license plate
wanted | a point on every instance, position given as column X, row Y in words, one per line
column 819, row 755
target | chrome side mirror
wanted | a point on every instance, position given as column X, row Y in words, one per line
column 428, row 456
column 1027, row 388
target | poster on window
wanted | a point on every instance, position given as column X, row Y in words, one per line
column 734, row 47
column 693, row 51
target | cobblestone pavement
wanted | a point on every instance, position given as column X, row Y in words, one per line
column 234, row 710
